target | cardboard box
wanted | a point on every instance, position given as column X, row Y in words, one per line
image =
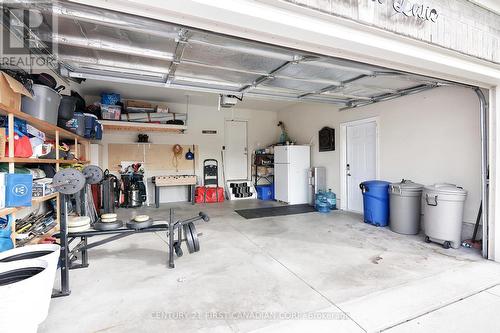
column 132, row 103
column 10, row 92
column 42, row 187
column 34, row 132
column 19, row 188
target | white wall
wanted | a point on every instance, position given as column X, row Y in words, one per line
column 262, row 131
column 429, row 137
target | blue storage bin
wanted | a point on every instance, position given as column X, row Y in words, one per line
column 265, row 192
column 110, row 98
column 90, row 121
column 376, row 202
column 18, row 190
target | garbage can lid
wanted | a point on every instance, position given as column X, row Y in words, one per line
column 446, row 188
column 407, row 185
column 376, row 183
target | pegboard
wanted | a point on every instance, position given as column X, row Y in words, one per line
column 155, row 156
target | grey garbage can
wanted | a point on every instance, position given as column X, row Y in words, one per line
column 405, row 203
column 443, row 214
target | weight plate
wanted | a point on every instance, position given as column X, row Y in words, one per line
column 141, row 218
column 79, row 229
column 109, row 216
column 139, row 225
column 108, row 225
column 194, row 235
column 109, row 220
column 189, row 238
column 93, row 174
column 78, row 221
column 68, row 181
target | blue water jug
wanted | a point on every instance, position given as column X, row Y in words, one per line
column 321, row 203
column 331, row 198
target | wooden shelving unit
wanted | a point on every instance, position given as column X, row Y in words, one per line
column 129, row 126
column 53, row 132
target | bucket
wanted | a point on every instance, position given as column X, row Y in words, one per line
column 48, row 253
column 24, row 301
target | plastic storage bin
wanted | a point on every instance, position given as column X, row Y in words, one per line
column 265, row 192
column 90, row 120
column 443, row 214
column 18, row 190
column 375, row 202
column 44, row 105
column 111, row 112
column 76, row 124
column 405, row 203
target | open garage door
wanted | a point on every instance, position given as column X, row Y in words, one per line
column 97, row 44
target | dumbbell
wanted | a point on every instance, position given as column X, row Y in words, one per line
column 71, row 181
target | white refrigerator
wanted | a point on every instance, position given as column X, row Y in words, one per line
column 291, row 168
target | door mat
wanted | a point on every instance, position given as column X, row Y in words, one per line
column 256, row 213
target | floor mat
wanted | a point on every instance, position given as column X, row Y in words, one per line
column 256, row 213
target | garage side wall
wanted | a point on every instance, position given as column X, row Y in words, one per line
column 429, row 137
column 262, row 131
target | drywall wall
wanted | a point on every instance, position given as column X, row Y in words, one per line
column 428, row 137
column 262, row 131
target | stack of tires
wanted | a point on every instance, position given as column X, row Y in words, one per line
column 26, row 279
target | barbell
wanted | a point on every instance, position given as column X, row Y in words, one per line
column 71, row 181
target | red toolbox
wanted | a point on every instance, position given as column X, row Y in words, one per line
column 209, row 194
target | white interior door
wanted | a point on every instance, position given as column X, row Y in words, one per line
column 236, row 151
column 361, row 146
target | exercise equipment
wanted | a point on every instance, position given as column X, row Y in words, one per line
column 72, row 181
column 177, row 232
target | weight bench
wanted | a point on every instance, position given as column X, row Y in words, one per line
column 69, row 256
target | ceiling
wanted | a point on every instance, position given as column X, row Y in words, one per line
column 98, row 44
column 176, row 96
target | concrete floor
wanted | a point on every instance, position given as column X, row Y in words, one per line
column 326, row 272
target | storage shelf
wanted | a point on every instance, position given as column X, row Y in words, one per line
column 130, row 126
column 41, row 125
column 35, row 200
column 39, row 161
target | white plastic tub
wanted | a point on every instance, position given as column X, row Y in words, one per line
column 443, row 214
column 22, row 294
column 48, row 253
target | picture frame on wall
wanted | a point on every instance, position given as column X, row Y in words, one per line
column 326, row 140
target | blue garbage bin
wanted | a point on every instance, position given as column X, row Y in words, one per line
column 376, row 202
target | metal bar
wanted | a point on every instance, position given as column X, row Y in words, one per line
column 388, row 97
column 109, row 239
column 179, row 51
column 334, row 87
column 85, row 254
column 171, row 239
column 90, row 233
column 64, row 256
column 483, row 115
column 271, row 75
